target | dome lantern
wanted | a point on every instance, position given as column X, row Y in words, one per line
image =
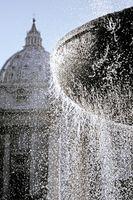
column 33, row 37
column 25, row 76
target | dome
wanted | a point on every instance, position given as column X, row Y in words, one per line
column 24, row 78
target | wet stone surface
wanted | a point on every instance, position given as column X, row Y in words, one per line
column 94, row 66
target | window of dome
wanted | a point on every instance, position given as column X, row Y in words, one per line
column 11, row 75
column 25, row 66
column 40, row 68
column 18, row 56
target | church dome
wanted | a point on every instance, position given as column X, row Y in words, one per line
column 24, row 78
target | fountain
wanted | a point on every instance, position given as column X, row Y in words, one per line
column 94, row 66
column 92, row 72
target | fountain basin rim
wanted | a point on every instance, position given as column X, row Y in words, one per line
column 81, row 30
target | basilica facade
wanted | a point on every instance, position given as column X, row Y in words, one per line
column 24, row 121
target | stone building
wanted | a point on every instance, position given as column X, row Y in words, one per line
column 24, row 121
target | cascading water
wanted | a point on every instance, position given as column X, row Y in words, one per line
column 94, row 145
column 93, row 154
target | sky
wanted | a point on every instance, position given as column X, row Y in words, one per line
column 54, row 18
